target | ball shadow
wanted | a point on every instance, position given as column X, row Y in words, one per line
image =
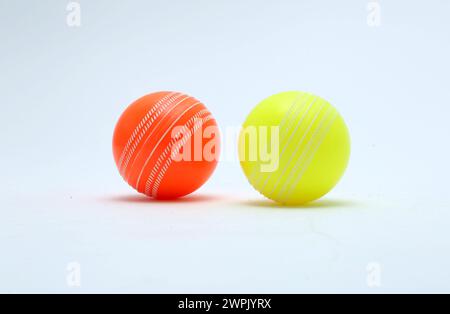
column 142, row 199
column 320, row 204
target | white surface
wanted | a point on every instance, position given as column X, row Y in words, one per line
column 222, row 244
column 63, row 201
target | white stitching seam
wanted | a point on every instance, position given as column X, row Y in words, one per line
column 289, row 184
column 151, row 116
column 163, row 156
column 287, row 116
column 145, row 129
column 290, row 136
column 170, row 160
column 161, row 138
column 161, row 111
column 138, row 128
column 298, row 145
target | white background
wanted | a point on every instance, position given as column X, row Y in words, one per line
column 63, row 201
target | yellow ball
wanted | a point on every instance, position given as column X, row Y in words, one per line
column 294, row 147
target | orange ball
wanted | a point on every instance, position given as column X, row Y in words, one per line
column 166, row 145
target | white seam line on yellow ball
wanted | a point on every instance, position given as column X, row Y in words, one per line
column 160, row 140
column 156, row 128
column 302, row 111
column 141, row 125
column 308, row 162
column 310, row 148
column 254, row 173
column 305, row 151
column 298, row 111
column 294, row 117
column 291, row 136
column 298, row 145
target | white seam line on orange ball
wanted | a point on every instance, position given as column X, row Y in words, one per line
column 146, row 129
column 170, row 159
column 160, row 140
column 140, row 125
column 138, row 153
column 135, row 132
column 162, row 157
column 149, row 122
